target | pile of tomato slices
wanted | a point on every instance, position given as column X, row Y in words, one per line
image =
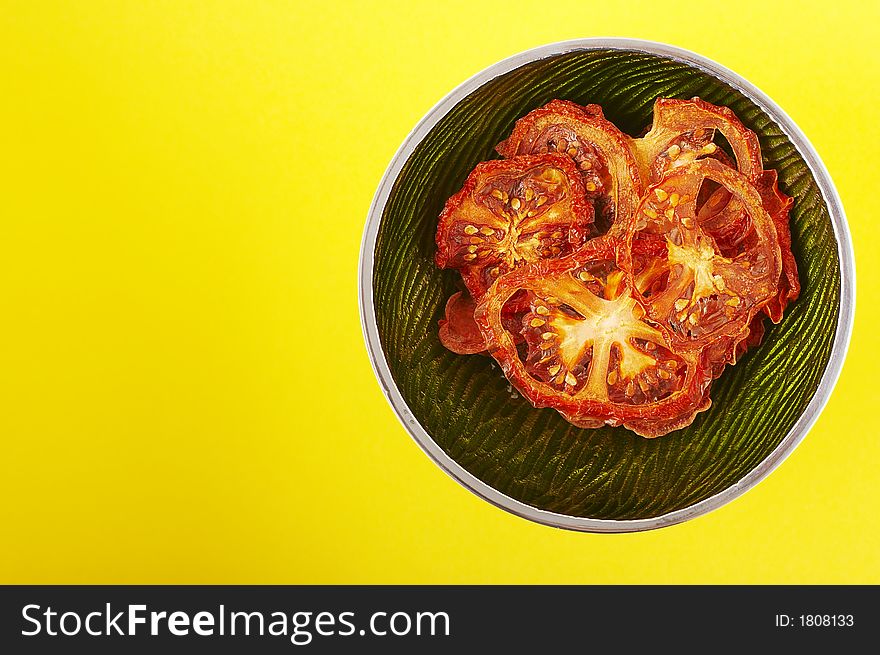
column 613, row 278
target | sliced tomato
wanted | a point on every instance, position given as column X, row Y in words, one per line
column 590, row 350
column 723, row 218
column 629, row 328
column 778, row 205
column 597, row 147
column 458, row 331
column 701, row 294
column 714, row 207
column 512, row 212
column 683, row 131
column 727, row 221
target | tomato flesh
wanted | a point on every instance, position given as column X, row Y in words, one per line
column 683, row 131
column 614, row 278
column 591, row 351
column 510, row 213
column 778, row 205
column 458, row 330
column 700, row 293
column 595, row 145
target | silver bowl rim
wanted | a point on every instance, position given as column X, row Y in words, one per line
column 798, row 430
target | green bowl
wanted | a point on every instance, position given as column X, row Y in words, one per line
column 463, row 412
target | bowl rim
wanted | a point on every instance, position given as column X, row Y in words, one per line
column 804, row 422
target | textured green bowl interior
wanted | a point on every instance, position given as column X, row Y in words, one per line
column 533, row 455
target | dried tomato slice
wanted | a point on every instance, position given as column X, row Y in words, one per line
column 683, row 130
column 598, row 148
column 778, row 205
column 458, row 331
column 590, row 351
column 715, row 211
column 512, row 212
column 727, row 221
column 723, row 218
column 703, row 296
column 629, row 328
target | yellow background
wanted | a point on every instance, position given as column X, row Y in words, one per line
column 186, row 396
